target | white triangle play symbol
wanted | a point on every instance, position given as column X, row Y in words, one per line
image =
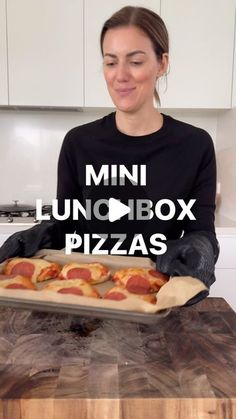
column 117, row 209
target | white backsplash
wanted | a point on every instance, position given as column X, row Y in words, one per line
column 226, row 163
column 31, row 140
column 30, row 144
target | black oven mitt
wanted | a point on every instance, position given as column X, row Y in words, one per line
column 48, row 235
column 195, row 254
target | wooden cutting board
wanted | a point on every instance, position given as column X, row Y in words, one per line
column 61, row 366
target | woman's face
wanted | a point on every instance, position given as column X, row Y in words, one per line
column 131, row 68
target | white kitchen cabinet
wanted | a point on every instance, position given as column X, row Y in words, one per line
column 3, row 55
column 234, row 70
column 227, row 257
column 45, row 52
column 201, row 53
column 225, row 285
column 95, row 87
column 48, row 49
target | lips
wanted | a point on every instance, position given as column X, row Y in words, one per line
column 126, row 91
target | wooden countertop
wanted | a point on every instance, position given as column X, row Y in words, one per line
column 65, row 367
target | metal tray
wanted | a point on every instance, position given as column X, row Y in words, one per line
column 83, row 311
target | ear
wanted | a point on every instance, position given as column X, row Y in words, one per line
column 163, row 65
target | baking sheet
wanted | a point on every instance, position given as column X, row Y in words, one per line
column 83, row 311
column 176, row 292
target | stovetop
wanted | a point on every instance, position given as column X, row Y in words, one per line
column 23, row 217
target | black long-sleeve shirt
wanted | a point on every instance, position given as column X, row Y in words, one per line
column 180, row 164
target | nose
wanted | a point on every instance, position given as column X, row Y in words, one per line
column 122, row 73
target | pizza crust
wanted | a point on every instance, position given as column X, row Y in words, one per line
column 69, row 286
column 118, row 293
column 36, row 269
column 17, row 282
column 93, row 273
column 140, row 280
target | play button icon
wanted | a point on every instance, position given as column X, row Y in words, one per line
column 117, row 214
column 117, row 209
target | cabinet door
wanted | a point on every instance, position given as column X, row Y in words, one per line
column 45, row 51
column 95, row 87
column 234, row 72
column 201, row 53
column 227, row 256
column 3, row 55
column 226, row 270
column 225, row 286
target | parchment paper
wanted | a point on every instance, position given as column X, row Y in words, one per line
column 176, row 292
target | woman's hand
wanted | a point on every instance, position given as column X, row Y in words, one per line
column 26, row 243
column 192, row 255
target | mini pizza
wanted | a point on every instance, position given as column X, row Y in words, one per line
column 36, row 269
column 94, row 273
column 72, row 286
column 140, row 280
column 119, row 293
column 16, row 282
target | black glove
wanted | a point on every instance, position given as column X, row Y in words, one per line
column 48, row 235
column 193, row 255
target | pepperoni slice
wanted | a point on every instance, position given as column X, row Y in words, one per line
column 71, row 290
column 81, row 273
column 115, row 295
column 16, row 286
column 23, row 268
column 138, row 284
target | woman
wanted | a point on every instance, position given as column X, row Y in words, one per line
column 179, row 158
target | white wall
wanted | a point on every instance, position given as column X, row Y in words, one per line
column 30, row 142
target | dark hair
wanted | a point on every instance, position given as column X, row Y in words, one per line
column 146, row 20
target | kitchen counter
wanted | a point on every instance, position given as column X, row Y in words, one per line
column 60, row 366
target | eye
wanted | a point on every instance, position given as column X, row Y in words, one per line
column 136, row 62
column 111, row 64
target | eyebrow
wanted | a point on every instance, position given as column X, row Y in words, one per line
column 130, row 54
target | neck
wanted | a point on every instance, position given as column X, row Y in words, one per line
column 139, row 123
